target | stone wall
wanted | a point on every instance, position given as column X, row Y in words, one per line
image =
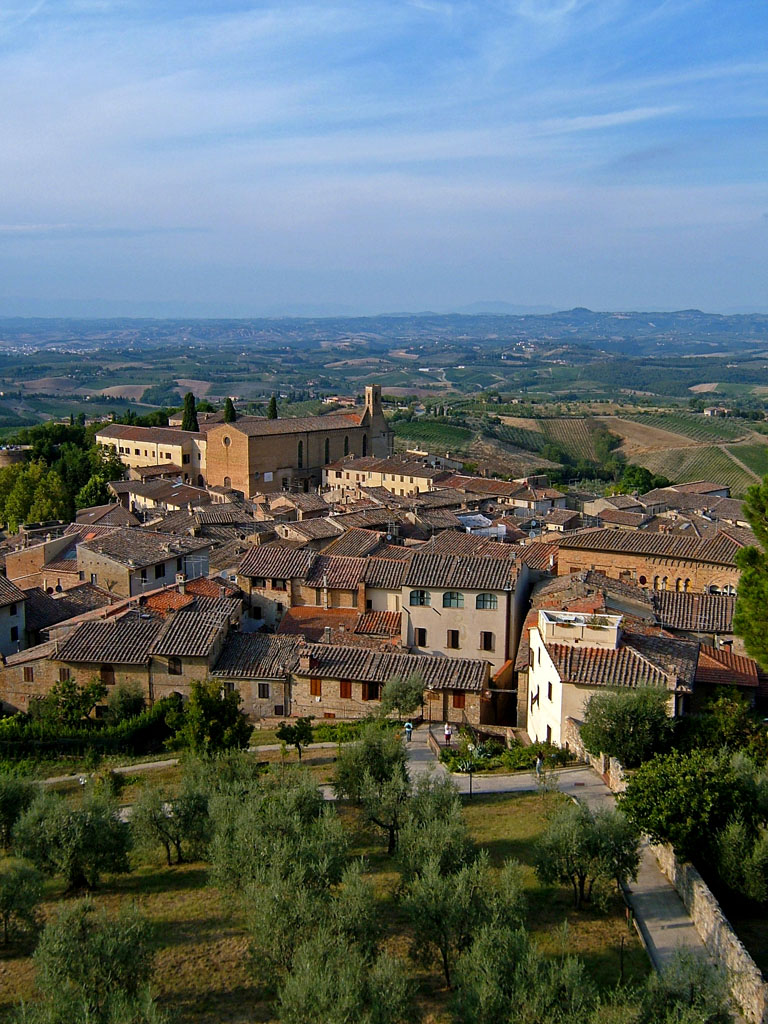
column 748, row 987
column 610, row 769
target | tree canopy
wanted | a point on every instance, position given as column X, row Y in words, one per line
column 629, row 725
column 272, row 408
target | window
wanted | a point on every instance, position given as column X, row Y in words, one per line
column 452, row 641
column 368, row 604
column 179, row 564
column 227, row 687
column 327, row 451
column 453, row 599
column 459, row 701
column 29, row 674
column 137, row 451
column 365, row 445
column 159, row 571
column 64, row 675
column 487, row 601
column 642, row 580
column 370, row 691
column 315, row 687
column 263, row 691
column 278, row 584
column 259, row 581
column 174, row 666
column 487, row 641
column 300, row 455
column 227, row 481
column 167, row 455
column 420, row 598
column 346, row 445
column 345, row 690
column 108, row 675
column 279, row 609
column 94, row 578
column 185, row 459
column 420, row 637
column 143, row 575
column 12, row 609
column 549, row 691
column 226, row 441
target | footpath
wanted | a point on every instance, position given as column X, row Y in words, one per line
column 661, row 917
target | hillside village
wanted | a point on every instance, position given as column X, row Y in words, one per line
column 299, row 568
column 341, row 565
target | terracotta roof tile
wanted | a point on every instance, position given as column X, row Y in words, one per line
column 256, row 656
column 724, row 668
column 259, row 426
column 385, row 573
column 125, row 641
column 720, row 549
column 272, row 561
column 355, row 543
column 362, row 665
column 459, row 572
column 189, row 634
column 311, row 622
column 380, row 623
column 695, row 613
column 336, row 573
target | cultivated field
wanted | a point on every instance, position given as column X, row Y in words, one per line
column 697, row 428
column 753, row 455
column 700, row 462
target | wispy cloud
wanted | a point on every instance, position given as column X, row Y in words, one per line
column 316, row 138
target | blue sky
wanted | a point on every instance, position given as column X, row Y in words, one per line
column 241, row 159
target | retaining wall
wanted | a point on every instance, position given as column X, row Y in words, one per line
column 748, row 987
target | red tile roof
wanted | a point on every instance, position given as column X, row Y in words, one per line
column 380, row 623
column 724, row 668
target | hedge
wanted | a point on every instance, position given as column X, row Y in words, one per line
column 145, row 733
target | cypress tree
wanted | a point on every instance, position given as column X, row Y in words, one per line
column 272, row 410
column 230, row 415
column 189, row 420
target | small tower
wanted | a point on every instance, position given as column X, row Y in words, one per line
column 373, row 400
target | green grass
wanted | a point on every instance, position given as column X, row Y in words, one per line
column 753, row 455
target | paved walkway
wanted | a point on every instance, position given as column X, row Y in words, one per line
column 660, row 914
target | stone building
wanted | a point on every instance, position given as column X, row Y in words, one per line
column 658, row 561
column 181, row 451
column 262, row 455
column 330, row 681
column 129, row 561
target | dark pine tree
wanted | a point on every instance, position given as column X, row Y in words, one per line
column 189, row 419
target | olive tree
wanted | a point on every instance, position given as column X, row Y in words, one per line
column 80, row 844
column 94, row 969
column 21, row 889
column 179, row 824
column 16, row 794
column 403, row 694
column 581, row 847
column 630, row 725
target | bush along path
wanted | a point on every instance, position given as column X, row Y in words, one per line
column 663, row 921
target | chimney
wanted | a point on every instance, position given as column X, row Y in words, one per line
column 181, row 582
column 327, row 635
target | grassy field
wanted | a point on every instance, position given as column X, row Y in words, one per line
column 753, row 455
column 436, row 437
column 696, row 427
column 705, row 462
column 202, row 970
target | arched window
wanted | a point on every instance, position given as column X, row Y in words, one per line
column 642, row 580
column 365, row 445
column 346, row 444
column 655, row 582
column 714, row 589
column 678, row 585
column 300, row 455
column 453, row 599
column 664, row 583
column 227, row 481
column 729, row 589
column 486, row 601
column 327, row 451
column 687, row 586
column 420, row 598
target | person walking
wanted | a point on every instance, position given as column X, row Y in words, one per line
column 539, row 765
column 448, row 733
column 408, row 730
